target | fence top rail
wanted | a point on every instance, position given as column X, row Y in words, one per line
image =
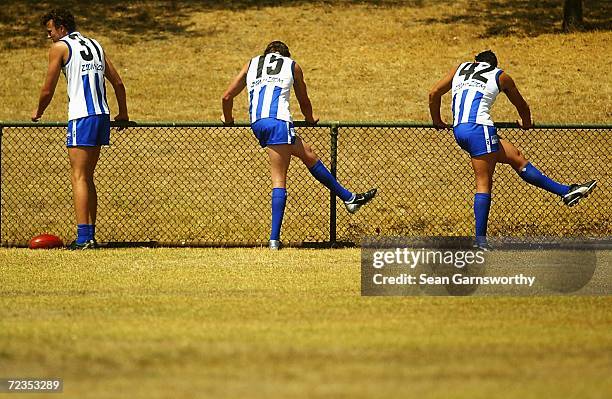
column 330, row 124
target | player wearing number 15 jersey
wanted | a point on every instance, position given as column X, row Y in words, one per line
column 269, row 89
column 268, row 79
column 85, row 66
column 475, row 86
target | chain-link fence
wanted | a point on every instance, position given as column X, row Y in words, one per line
column 205, row 184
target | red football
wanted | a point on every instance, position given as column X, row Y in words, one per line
column 46, row 241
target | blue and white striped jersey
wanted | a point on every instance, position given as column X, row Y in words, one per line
column 84, row 72
column 269, row 80
column 475, row 87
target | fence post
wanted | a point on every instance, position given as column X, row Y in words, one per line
column 333, row 170
column 1, row 127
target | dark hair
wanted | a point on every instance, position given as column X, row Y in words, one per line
column 278, row 47
column 60, row 17
column 487, row 56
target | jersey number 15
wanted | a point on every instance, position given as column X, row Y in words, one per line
column 272, row 70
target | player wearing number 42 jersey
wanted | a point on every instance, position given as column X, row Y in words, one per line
column 85, row 66
column 268, row 79
column 475, row 86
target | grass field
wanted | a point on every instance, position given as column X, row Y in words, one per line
column 228, row 323
column 362, row 60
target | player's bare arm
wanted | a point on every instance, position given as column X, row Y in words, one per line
column 301, row 93
column 113, row 77
column 227, row 101
column 435, row 98
column 508, row 86
column 58, row 54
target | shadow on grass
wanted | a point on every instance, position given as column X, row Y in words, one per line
column 115, row 18
column 131, row 21
column 527, row 17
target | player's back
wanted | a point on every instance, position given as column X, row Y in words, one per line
column 475, row 87
column 269, row 80
column 84, row 73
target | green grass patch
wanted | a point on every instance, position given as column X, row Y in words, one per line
column 153, row 323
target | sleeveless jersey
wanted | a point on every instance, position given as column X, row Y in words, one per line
column 269, row 80
column 84, row 72
column 475, row 87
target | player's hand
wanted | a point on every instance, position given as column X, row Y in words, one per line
column 229, row 122
column 121, row 118
column 525, row 126
column 441, row 125
column 312, row 121
column 36, row 116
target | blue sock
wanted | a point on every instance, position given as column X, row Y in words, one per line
column 83, row 232
column 320, row 172
column 482, row 204
column 533, row 176
column 279, row 199
column 92, row 228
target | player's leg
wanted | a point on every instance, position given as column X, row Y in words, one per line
column 83, row 161
column 511, row 155
column 93, row 197
column 481, row 142
column 352, row 201
column 305, row 152
column 280, row 157
column 484, row 168
column 102, row 128
column 570, row 194
column 84, row 140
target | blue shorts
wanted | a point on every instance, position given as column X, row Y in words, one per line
column 90, row 131
column 271, row 131
column 476, row 139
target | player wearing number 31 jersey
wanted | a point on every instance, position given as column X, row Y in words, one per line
column 475, row 86
column 85, row 66
column 268, row 79
column 84, row 72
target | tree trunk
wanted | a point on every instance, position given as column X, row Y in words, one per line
column 572, row 15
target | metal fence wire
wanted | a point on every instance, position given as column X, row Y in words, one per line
column 205, row 184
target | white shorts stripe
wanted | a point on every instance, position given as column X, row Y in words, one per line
column 74, row 135
column 487, row 138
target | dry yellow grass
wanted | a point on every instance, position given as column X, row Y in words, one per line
column 362, row 62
